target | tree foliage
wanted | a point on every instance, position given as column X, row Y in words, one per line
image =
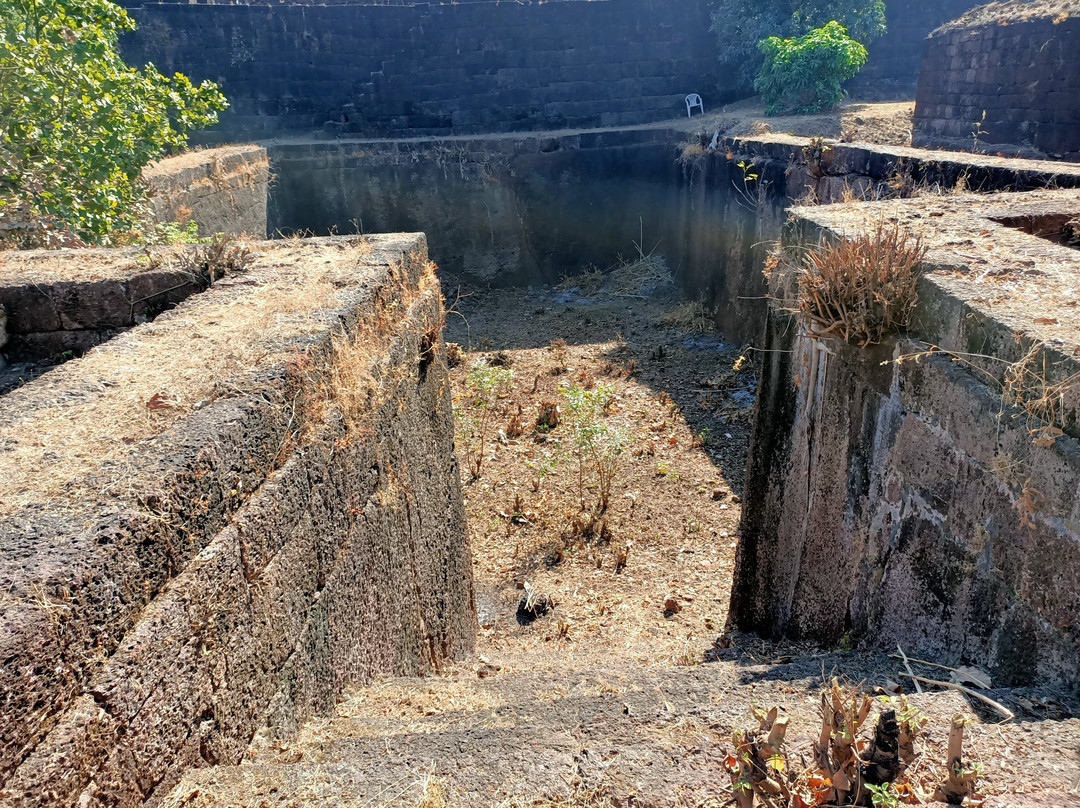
column 77, row 124
column 804, row 75
column 740, row 25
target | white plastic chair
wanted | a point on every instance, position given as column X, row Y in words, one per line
column 694, row 100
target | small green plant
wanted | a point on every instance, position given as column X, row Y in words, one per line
column 486, row 384
column 177, row 233
column 542, row 467
column 597, row 446
column 883, row 796
column 978, row 130
column 804, row 75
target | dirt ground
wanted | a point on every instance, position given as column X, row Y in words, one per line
column 653, row 586
column 620, row 687
column 883, row 123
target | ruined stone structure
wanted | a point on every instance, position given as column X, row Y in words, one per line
column 895, row 501
column 222, row 190
column 459, row 68
column 216, row 521
column 1003, row 78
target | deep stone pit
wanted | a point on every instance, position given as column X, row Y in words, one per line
column 198, row 552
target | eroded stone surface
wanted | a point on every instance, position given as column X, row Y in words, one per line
column 909, row 502
column 222, row 190
column 283, row 520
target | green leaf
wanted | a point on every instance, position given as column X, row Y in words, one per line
column 78, row 124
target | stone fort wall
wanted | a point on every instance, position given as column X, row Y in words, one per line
column 437, row 69
column 1009, row 74
column 893, row 67
column 347, row 68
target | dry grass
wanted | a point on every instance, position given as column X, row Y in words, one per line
column 862, row 288
column 434, row 794
column 635, row 279
column 598, row 796
column 162, row 372
column 693, row 315
column 589, row 282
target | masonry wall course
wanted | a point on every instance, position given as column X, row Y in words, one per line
column 1010, row 84
column 464, row 68
column 883, row 497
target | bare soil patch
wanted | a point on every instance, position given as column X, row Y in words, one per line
column 650, row 578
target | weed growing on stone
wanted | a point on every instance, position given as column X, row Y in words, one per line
column 861, row 289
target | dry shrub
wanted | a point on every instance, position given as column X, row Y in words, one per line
column 222, row 256
column 862, row 288
column 515, row 426
column 454, row 354
column 548, row 415
column 865, row 753
column 561, row 353
column 692, row 315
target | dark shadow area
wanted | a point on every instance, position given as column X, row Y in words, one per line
column 1059, row 228
column 761, row 661
column 499, row 215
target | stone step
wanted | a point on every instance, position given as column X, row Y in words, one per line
column 488, row 736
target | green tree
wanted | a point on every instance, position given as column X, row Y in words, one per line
column 77, row 124
column 741, row 25
column 804, row 74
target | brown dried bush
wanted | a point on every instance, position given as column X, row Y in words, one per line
column 862, row 288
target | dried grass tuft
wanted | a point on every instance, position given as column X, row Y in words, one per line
column 598, row 796
column 862, row 288
column 588, row 282
column 634, row 279
column 693, row 315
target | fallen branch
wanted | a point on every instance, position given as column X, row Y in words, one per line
column 907, row 665
column 906, row 658
column 1005, row 711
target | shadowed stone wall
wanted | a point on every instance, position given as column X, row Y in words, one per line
column 1010, row 72
column 436, row 68
column 345, row 68
column 893, row 66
